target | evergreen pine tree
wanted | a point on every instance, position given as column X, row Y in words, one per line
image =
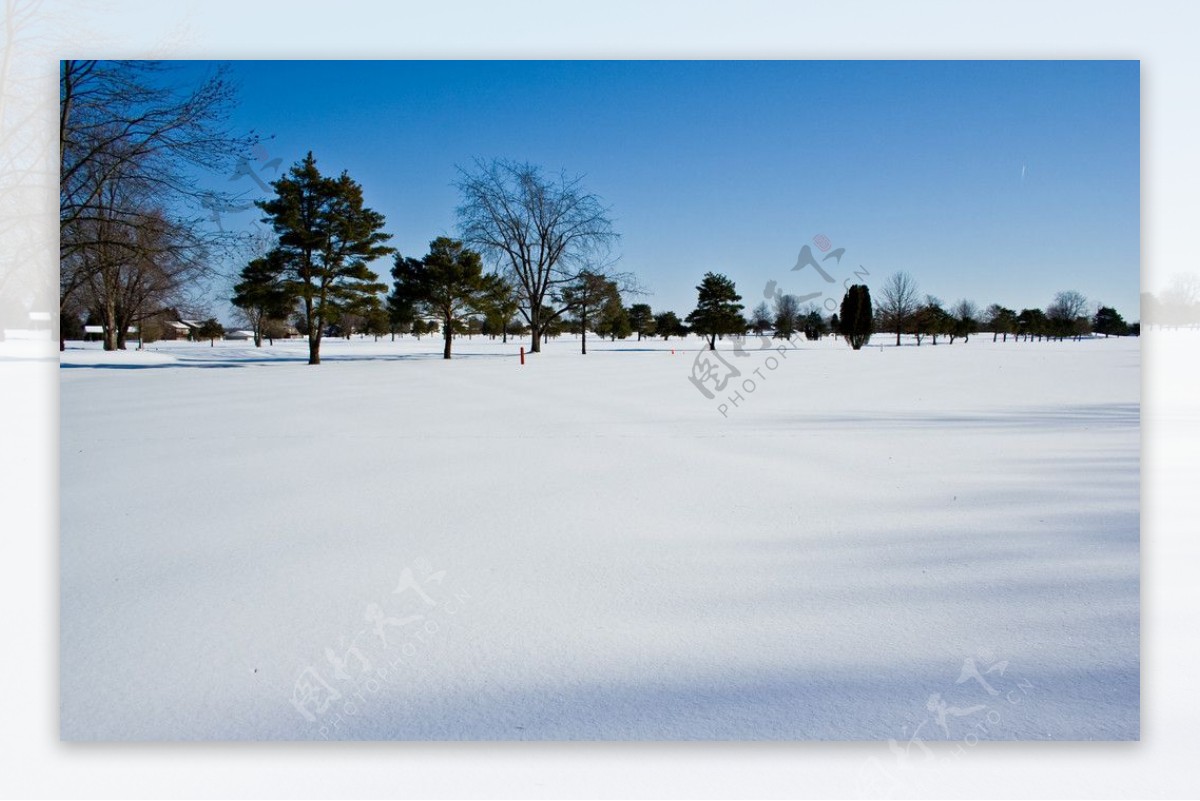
column 613, row 320
column 717, row 311
column 449, row 282
column 326, row 238
column 210, row 329
column 583, row 296
column 667, row 324
column 262, row 294
column 1108, row 321
column 641, row 318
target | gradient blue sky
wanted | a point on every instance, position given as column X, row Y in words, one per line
column 998, row 181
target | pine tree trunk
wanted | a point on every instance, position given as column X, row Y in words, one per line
column 712, row 342
column 448, row 328
column 314, row 331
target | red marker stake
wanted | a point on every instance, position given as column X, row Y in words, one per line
column 522, row 354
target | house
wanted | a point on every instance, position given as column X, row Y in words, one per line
column 174, row 329
column 166, row 325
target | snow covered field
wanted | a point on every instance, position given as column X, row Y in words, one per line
column 915, row 544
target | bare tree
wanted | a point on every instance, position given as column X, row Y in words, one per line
column 761, row 319
column 130, row 147
column 966, row 320
column 542, row 233
column 137, row 272
column 899, row 300
column 787, row 313
column 1063, row 313
column 1000, row 320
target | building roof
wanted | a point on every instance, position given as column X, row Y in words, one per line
column 99, row 329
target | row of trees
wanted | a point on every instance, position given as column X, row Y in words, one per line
column 547, row 236
column 904, row 310
column 718, row 313
column 449, row 284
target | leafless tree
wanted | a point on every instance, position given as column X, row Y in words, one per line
column 1063, row 313
column 134, row 273
column 898, row 300
column 130, row 149
column 966, row 320
column 541, row 231
column 787, row 314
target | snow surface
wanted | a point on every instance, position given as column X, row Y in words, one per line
column 918, row 544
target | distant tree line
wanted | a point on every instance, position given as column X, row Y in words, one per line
column 903, row 311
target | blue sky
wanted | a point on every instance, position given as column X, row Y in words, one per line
column 1000, row 181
